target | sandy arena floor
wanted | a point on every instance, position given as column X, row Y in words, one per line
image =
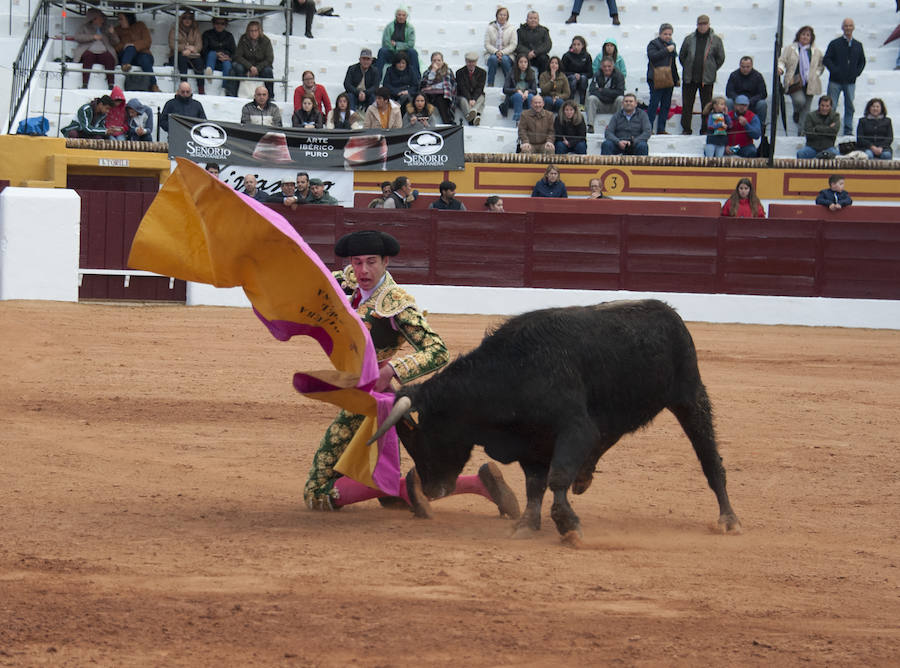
column 151, row 513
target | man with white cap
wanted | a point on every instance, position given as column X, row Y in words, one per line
column 470, row 81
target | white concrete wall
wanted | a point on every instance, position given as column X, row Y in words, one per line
column 39, row 237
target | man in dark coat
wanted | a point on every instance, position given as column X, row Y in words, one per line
column 747, row 81
column 183, row 103
column 470, row 82
column 628, row 130
column 534, row 42
column 605, row 93
column 701, row 55
column 218, row 47
column 361, row 81
column 447, row 201
column 845, row 60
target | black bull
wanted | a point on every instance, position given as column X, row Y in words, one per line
column 555, row 389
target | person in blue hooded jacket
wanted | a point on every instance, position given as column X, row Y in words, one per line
column 140, row 121
column 550, row 185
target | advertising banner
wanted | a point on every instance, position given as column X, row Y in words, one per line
column 406, row 149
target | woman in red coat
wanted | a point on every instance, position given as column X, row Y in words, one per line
column 743, row 202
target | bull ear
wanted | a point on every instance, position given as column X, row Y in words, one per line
column 409, row 433
column 401, row 407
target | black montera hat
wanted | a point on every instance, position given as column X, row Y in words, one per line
column 366, row 242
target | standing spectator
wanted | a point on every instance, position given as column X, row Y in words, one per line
column 419, row 113
column 378, row 202
column 494, row 204
column 745, row 80
column 401, row 191
column 533, row 41
column 570, row 130
column 218, row 48
column 302, row 185
column 610, row 49
column 212, row 168
column 661, row 55
column 577, row 66
column 821, row 129
column 261, row 110
column 610, row 4
column 470, row 82
column 317, row 194
column 628, row 130
column 308, row 9
column 361, row 81
column 439, row 86
column 90, row 119
column 94, row 47
column 398, row 35
column 317, row 91
column 342, row 117
column 743, row 202
column 447, row 201
column 834, row 196
column 801, row 65
column 140, row 121
column 717, row 127
column 132, row 41
column 253, row 58
column 702, row 54
column 554, row 86
column 500, row 40
column 845, row 60
column 874, row 132
column 550, row 184
column 116, row 126
column 183, row 104
column 190, row 46
column 536, row 128
column 519, row 88
column 251, row 189
column 306, row 115
column 401, row 80
column 385, row 113
column 606, row 92
column 743, row 129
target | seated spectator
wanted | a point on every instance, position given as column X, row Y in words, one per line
column 307, row 116
column 743, row 202
column 447, row 201
column 401, row 80
column 140, row 121
column 874, row 132
column 576, row 65
column 628, row 130
column 500, row 40
column 253, row 59
column 302, row 191
column 470, row 82
column 190, row 47
column 398, row 35
column 361, row 81
column 308, row 9
column 94, row 46
column 533, row 41
column 519, row 88
column 90, row 119
column 116, row 125
column 132, row 42
column 286, row 196
column 317, row 91
column 802, row 66
column 554, row 86
column 596, row 187
column 536, row 129
column 212, row 168
column 834, row 196
column 494, row 204
column 439, row 86
column 550, row 185
column 318, row 195
column 342, row 117
column 745, row 80
column 385, row 113
column 420, row 114
column 821, row 129
column 610, row 4
column 218, row 48
column 745, row 127
column 606, row 92
column 717, row 126
column 610, row 49
column 261, row 111
column 379, row 201
column 570, row 130
column 251, row 189
column 183, row 104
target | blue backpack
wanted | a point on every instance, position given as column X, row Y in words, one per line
column 38, row 126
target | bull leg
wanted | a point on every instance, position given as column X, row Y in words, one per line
column 535, row 487
column 696, row 420
column 576, row 449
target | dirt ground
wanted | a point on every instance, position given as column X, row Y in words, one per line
column 151, row 514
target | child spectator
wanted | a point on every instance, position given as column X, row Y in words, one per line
column 834, row 196
column 140, row 121
column 743, row 202
column 717, row 127
column 307, row 116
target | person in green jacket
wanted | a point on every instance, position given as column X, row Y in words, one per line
column 318, row 195
column 398, row 35
column 90, row 119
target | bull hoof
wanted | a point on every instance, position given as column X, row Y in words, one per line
column 523, row 532
column 572, row 539
column 418, row 502
column 729, row 524
column 501, row 494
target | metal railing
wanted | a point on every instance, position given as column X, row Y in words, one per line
column 27, row 60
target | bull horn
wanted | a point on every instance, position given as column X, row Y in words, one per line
column 401, row 408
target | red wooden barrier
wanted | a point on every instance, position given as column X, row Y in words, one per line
column 855, row 212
